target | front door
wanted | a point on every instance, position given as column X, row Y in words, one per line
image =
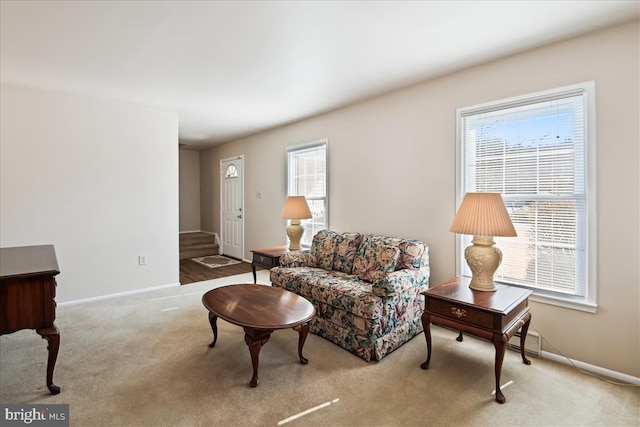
column 232, row 206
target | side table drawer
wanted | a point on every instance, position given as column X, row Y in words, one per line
column 461, row 313
column 266, row 261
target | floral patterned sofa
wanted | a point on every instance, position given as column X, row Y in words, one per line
column 366, row 289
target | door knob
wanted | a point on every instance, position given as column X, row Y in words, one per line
column 239, row 216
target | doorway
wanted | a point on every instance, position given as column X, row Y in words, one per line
column 232, row 206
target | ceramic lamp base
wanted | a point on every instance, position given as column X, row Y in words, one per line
column 483, row 259
column 294, row 232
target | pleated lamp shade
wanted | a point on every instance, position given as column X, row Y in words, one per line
column 483, row 214
column 296, row 207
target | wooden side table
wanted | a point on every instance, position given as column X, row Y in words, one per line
column 27, row 292
column 494, row 316
column 267, row 258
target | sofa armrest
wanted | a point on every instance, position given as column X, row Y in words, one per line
column 295, row 259
column 401, row 281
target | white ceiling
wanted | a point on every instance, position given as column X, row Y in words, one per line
column 234, row 68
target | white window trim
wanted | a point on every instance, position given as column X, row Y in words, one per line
column 588, row 303
column 304, row 145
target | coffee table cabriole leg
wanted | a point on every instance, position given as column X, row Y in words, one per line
column 255, row 339
column 303, row 331
column 213, row 321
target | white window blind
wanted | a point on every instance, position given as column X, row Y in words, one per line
column 307, row 176
column 533, row 150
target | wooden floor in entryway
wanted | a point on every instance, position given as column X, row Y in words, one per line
column 191, row 272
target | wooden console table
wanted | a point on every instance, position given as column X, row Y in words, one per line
column 27, row 292
column 494, row 316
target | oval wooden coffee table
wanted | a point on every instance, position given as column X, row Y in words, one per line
column 260, row 310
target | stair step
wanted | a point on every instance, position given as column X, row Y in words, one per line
column 198, row 253
column 210, row 247
column 197, row 244
column 196, row 238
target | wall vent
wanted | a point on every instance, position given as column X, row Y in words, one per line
column 531, row 345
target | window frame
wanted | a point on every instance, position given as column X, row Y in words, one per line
column 588, row 302
column 307, row 224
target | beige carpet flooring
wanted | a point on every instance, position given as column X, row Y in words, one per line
column 144, row 360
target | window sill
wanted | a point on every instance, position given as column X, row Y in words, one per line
column 586, row 306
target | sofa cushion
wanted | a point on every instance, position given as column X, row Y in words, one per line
column 345, row 292
column 411, row 254
column 401, row 282
column 411, row 251
column 323, row 247
column 346, row 249
column 294, row 259
column 376, row 261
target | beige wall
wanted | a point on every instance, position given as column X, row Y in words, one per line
column 189, row 190
column 98, row 179
column 392, row 170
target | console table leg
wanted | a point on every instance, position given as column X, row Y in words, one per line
column 426, row 326
column 303, row 331
column 500, row 343
column 52, row 335
column 213, row 321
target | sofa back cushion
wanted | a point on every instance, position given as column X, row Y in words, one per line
column 411, row 254
column 411, row 251
column 323, row 247
column 376, row 260
column 346, row 249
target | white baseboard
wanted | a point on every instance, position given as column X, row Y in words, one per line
column 592, row 368
column 119, row 294
column 218, row 240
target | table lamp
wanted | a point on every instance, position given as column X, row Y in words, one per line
column 295, row 209
column 483, row 215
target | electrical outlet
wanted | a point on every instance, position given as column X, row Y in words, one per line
column 142, row 260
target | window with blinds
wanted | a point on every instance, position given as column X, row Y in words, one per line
column 307, row 176
column 536, row 150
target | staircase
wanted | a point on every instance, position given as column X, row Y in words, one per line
column 197, row 244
